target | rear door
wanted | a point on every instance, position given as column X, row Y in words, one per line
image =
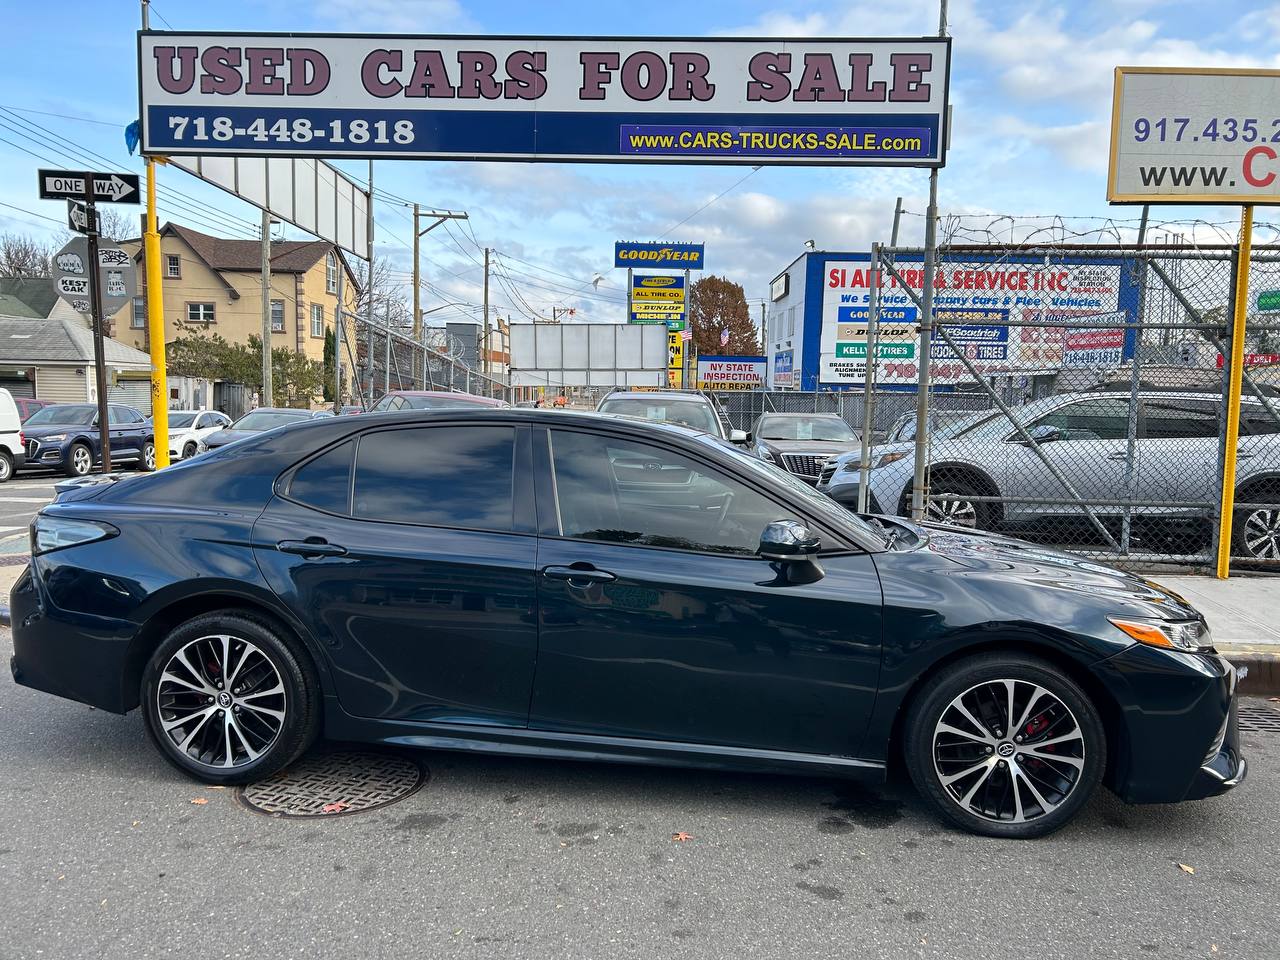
column 410, row 553
column 127, row 429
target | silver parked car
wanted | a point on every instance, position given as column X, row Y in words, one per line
column 984, row 473
column 802, row 443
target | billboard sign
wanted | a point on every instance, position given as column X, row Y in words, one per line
column 784, row 369
column 1093, row 347
column 1006, row 318
column 588, row 355
column 731, row 373
column 866, row 102
column 1193, row 135
column 657, row 299
column 684, row 256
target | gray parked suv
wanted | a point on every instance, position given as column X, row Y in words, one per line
column 802, row 443
column 984, row 474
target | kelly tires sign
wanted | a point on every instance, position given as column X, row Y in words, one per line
column 862, row 102
column 1195, row 136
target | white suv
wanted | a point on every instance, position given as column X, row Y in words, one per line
column 12, row 454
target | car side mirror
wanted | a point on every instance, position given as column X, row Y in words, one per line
column 788, row 541
column 739, row 436
column 1046, row 434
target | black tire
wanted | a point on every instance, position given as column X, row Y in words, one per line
column 300, row 699
column 79, row 464
column 1255, row 532
column 1078, row 765
column 6, row 466
column 146, row 458
column 949, row 502
column 188, row 451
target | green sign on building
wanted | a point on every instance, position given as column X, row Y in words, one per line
column 1269, row 299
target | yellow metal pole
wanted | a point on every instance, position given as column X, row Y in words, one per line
column 1239, row 309
column 155, row 324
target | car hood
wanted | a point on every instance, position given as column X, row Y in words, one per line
column 813, row 448
column 52, row 429
column 879, row 449
column 223, row 437
column 1049, row 571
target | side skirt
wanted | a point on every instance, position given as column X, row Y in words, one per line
column 521, row 742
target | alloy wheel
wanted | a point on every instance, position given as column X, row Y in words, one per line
column 221, row 701
column 81, row 461
column 149, row 456
column 6, row 467
column 952, row 508
column 1008, row 751
column 1261, row 534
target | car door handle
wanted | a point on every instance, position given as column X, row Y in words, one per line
column 1118, row 455
column 312, row 548
column 578, row 576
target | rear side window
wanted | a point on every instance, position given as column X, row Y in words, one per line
column 1177, row 419
column 325, row 482
column 442, row 476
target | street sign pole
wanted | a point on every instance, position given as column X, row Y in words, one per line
column 96, row 320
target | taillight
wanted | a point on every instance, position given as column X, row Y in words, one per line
column 53, row 533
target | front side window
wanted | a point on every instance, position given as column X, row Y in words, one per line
column 277, row 316
column 200, row 313
column 1100, row 419
column 626, row 492
column 317, row 320
column 440, row 476
column 139, row 319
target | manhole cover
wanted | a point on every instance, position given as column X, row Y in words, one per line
column 330, row 784
column 1257, row 716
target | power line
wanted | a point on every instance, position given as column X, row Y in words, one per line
column 62, row 116
column 750, row 173
column 30, row 212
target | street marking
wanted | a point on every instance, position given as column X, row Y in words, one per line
column 24, row 500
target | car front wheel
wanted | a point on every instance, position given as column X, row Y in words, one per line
column 79, row 460
column 188, row 451
column 6, row 466
column 1005, row 745
column 227, row 700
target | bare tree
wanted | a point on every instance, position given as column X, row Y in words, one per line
column 389, row 304
column 22, row 255
column 113, row 224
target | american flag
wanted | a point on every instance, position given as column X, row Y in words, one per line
column 724, row 336
column 686, row 334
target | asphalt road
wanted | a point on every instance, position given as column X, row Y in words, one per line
column 21, row 499
column 103, row 854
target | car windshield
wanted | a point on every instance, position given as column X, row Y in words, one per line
column 805, row 428
column 687, row 413
column 438, row 403
column 72, row 414
column 818, row 503
column 181, row 420
column 268, row 419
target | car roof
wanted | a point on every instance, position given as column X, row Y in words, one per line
column 655, row 395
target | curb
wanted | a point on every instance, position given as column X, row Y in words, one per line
column 1262, row 663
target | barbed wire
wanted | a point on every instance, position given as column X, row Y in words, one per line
column 1023, row 230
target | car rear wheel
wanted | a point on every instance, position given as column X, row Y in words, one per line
column 1256, row 531
column 227, row 700
column 147, row 459
column 79, row 460
column 1005, row 745
column 6, row 466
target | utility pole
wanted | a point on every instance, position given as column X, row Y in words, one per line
column 368, row 293
column 95, row 306
column 339, row 318
column 268, row 393
column 441, row 216
column 484, row 360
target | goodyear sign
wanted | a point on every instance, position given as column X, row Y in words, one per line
column 686, row 256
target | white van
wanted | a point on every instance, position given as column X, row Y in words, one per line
column 12, row 455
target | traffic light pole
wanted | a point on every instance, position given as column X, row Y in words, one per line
column 95, row 313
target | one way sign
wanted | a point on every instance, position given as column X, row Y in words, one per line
column 107, row 187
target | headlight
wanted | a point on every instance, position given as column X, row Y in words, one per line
column 201, row 447
column 54, row 533
column 889, row 458
column 1192, row 636
column 53, row 438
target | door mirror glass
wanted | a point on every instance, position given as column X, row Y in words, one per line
column 739, row 436
column 788, row 540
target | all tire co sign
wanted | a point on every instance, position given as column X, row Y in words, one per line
column 874, row 102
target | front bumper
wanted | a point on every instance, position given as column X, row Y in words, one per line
column 846, row 494
column 1177, row 714
column 37, row 454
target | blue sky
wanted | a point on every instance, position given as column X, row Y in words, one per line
column 1031, row 86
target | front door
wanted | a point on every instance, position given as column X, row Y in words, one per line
column 410, row 554
column 657, row 620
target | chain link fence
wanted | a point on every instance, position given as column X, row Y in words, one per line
column 1098, row 384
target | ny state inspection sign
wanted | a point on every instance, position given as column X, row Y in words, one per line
column 868, row 102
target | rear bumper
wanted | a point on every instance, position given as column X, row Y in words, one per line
column 1178, row 718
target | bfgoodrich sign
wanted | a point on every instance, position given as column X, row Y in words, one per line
column 676, row 100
